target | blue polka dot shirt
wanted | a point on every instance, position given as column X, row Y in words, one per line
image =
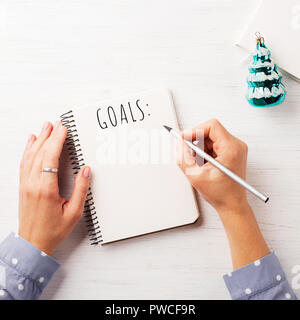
column 25, row 271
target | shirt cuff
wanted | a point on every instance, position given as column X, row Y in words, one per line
column 28, row 260
column 256, row 278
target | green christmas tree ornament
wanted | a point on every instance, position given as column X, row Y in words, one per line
column 264, row 81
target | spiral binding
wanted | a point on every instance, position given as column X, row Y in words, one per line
column 77, row 161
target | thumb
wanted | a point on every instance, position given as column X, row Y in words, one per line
column 74, row 207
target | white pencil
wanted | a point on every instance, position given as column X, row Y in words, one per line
column 218, row 165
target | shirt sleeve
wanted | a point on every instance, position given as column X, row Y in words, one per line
column 263, row 279
column 24, row 269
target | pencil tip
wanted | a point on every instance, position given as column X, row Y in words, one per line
column 267, row 200
column 168, row 128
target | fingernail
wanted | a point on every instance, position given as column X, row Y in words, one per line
column 56, row 124
column 87, row 172
column 61, row 126
column 46, row 126
column 30, row 138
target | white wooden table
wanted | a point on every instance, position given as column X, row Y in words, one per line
column 57, row 54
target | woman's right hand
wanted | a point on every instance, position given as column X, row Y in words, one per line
column 225, row 195
column 217, row 188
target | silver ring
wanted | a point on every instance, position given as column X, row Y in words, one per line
column 50, row 170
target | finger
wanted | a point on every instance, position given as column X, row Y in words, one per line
column 192, row 164
column 209, row 144
column 211, row 129
column 29, row 144
column 74, row 207
column 194, row 134
column 43, row 136
column 199, row 160
column 52, row 148
column 30, row 141
column 49, row 154
column 27, row 156
column 184, row 157
column 34, row 149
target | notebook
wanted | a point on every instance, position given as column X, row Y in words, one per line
column 136, row 186
column 279, row 23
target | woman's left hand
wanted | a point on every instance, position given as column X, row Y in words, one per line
column 46, row 219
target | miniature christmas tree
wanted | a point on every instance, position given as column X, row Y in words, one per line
column 264, row 81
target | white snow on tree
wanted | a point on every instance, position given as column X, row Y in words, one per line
column 264, row 81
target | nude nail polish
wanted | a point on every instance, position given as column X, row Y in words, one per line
column 46, row 126
column 86, row 172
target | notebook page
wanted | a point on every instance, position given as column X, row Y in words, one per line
column 136, row 184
